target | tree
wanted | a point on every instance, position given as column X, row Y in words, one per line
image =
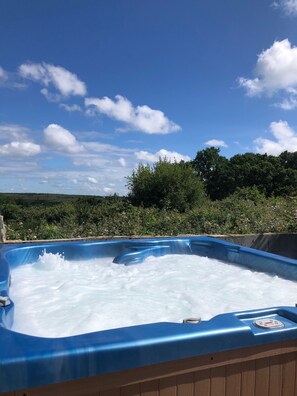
column 289, row 160
column 271, row 175
column 166, row 185
column 268, row 173
column 214, row 171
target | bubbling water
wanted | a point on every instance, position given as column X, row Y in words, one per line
column 55, row 298
column 49, row 261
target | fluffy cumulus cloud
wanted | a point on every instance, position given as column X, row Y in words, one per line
column 171, row 156
column 58, row 138
column 285, row 139
column 20, row 149
column 19, row 142
column 142, row 118
column 216, row 143
column 65, row 82
column 275, row 71
column 289, row 7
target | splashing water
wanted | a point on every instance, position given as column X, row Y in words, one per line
column 56, row 298
column 49, row 261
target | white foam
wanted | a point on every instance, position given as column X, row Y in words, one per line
column 56, row 298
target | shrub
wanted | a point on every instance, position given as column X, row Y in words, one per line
column 165, row 185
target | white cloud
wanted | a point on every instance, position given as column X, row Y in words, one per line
column 92, row 180
column 289, row 7
column 285, row 140
column 108, row 190
column 20, row 144
column 65, row 82
column 61, row 139
column 98, row 147
column 92, row 161
column 290, row 102
column 13, row 132
column 287, row 104
column 70, row 108
column 3, row 74
column 20, row 149
column 10, row 80
column 50, row 96
column 171, row 156
column 141, row 118
column 276, row 71
column 122, row 161
column 216, row 143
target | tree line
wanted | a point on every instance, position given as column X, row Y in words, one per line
column 271, row 175
column 184, row 185
column 248, row 193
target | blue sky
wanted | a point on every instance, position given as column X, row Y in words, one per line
column 90, row 88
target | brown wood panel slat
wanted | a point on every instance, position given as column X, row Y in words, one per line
column 167, row 386
column 233, row 380
column 248, row 378
column 7, row 394
column 202, row 383
column 149, row 388
column 110, row 392
column 167, row 373
column 185, row 385
column 262, row 377
column 218, row 381
column 163, row 370
column 92, row 394
column 288, row 377
column 275, row 376
column 131, row 390
column 295, row 393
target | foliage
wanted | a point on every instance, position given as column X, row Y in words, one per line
column 246, row 211
column 248, row 193
column 214, row 171
column 272, row 176
column 166, row 185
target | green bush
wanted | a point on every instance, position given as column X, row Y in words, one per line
column 246, row 211
column 165, row 185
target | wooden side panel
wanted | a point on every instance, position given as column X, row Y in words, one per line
column 233, row 380
column 150, row 388
column 7, row 393
column 248, row 378
column 96, row 394
column 258, row 371
column 262, row 377
column 185, row 385
column 288, row 377
column 202, row 383
column 275, row 376
column 131, row 390
column 218, row 381
column 109, row 392
column 167, row 386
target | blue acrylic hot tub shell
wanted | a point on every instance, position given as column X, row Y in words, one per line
column 27, row 361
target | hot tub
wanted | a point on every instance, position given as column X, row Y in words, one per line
column 241, row 353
